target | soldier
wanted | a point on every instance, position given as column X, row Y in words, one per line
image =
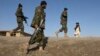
column 77, row 30
column 63, row 23
column 38, row 25
column 20, row 19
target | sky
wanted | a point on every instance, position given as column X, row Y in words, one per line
column 86, row 12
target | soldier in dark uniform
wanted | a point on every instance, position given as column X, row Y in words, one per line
column 36, row 23
column 63, row 23
column 20, row 18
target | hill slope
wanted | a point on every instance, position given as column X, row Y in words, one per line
column 13, row 46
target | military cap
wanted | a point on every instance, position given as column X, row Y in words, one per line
column 77, row 22
column 65, row 9
column 43, row 3
column 20, row 5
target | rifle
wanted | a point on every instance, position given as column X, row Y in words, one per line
column 36, row 31
column 25, row 19
column 39, row 28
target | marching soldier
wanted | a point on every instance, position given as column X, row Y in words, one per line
column 20, row 18
column 38, row 23
column 63, row 22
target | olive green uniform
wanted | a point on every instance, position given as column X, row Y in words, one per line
column 64, row 22
column 39, row 15
column 20, row 19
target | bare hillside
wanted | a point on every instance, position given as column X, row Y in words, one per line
column 16, row 46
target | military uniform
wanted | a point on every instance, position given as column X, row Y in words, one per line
column 64, row 22
column 38, row 23
column 20, row 19
column 39, row 15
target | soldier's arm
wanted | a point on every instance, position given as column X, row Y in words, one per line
column 37, row 17
column 24, row 17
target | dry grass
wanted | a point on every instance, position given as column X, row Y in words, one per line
column 13, row 46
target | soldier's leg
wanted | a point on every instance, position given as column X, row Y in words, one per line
column 18, row 24
column 65, row 30
column 14, row 30
column 22, row 28
column 60, row 30
column 31, row 41
column 42, row 41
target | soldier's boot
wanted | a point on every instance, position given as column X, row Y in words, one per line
column 40, row 48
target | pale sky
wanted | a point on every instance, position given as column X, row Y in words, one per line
column 87, row 12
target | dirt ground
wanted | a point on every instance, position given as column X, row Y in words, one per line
column 17, row 46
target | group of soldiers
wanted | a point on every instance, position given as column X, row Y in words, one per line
column 63, row 22
column 38, row 23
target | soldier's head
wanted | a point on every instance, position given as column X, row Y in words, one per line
column 77, row 23
column 43, row 4
column 65, row 9
column 20, row 5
